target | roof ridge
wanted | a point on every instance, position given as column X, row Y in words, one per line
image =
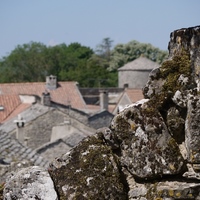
column 35, row 82
column 10, row 114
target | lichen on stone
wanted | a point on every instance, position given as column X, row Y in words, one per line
column 93, row 170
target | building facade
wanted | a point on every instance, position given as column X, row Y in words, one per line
column 135, row 74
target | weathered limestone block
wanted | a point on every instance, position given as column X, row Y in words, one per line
column 172, row 81
column 168, row 190
column 192, row 130
column 147, row 149
column 89, row 171
column 176, row 84
column 30, row 183
column 154, row 84
column 175, row 124
column 187, row 38
column 190, row 173
column 162, row 190
column 171, row 190
column 13, row 167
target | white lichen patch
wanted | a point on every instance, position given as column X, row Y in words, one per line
column 92, row 146
column 88, row 180
column 141, row 134
column 142, row 101
column 78, row 170
column 147, row 169
column 85, row 153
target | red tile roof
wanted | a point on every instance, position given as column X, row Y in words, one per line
column 65, row 93
column 8, row 103
column 17, row 111
column 134, row 94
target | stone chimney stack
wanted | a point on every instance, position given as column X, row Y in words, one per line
column 103, row 100
column 46, row 99
column 51, row 82
column 20, row 122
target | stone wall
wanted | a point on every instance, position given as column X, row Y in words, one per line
column 134, row 79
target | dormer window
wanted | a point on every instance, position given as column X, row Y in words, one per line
column 1, row 108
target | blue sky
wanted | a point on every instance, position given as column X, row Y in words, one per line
column 53, row 22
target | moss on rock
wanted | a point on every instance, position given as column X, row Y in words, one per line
column 170, row 72
column 92, row 171
column 1, row 191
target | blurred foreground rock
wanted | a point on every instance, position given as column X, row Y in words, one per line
column 151, row 149
column 30, row 183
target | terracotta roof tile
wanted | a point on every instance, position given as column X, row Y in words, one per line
column 8, row 104
column 134, row 94
column 20, row 108
column 67, row 92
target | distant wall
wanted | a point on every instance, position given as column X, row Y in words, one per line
column 134, row 79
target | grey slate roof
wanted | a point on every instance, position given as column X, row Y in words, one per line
column 30, row 114
column 141, row 63
column 101, row 119
column 61, row 146
column 11, row 150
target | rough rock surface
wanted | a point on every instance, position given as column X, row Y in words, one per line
column 147, row 149
column 30, row 183
column 88, row 172
column 152, row 148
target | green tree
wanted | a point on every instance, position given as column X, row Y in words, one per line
column 104, row 49
column 33, row 61
column 124, row 53
column 74, row 62
column 25, row 63
column 76, row 57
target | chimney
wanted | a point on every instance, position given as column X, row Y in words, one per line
column 51, row 82
column 103, row 99
column 20, row 132
column 46, row 99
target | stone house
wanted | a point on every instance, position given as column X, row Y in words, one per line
column 40, row 133
column 135, row 73
column 44, row 125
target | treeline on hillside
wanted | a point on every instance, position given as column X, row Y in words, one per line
column 32, row 62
